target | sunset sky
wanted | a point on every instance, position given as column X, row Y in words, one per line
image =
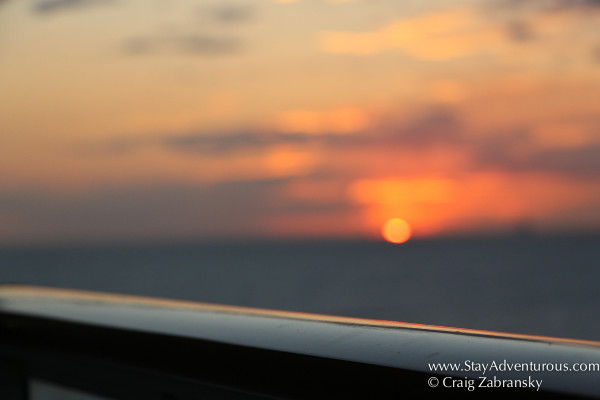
column 124, row 120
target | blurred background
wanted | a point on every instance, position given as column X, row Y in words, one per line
column 422, row 161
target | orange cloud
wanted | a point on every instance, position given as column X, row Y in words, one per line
column 390, row 191
column 288, row 161
column 418, row 201
column 477, row 201
column 434, row 36
column 567, row 134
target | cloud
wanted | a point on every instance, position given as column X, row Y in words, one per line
column 211, row 33
column 45, row 7
column 584, row 161
column 436, row 126
column 195, row 44
column 596, row 53
column 437, row 136
column 440, row 35
column 232, row 13
column 517, row 152
column 432, row 128
column 520, row 31
column 458, row 32
column 231, row 143
column 544, row 5
column 163, row 210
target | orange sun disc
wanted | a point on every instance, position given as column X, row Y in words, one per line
column 396, row 230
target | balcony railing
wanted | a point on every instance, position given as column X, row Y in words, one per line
column 126, row 347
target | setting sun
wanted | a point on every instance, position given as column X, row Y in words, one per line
column 396, row 230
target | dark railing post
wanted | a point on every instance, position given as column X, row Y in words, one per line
column 13, row 381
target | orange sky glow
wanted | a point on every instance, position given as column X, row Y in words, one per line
column 297, row 119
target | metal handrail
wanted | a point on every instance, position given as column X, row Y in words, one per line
column 129, row 347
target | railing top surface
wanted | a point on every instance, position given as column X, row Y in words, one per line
column 85, row 306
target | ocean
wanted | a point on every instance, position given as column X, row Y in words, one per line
column 545, row 285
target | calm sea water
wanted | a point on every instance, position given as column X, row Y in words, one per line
column 525, row 284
